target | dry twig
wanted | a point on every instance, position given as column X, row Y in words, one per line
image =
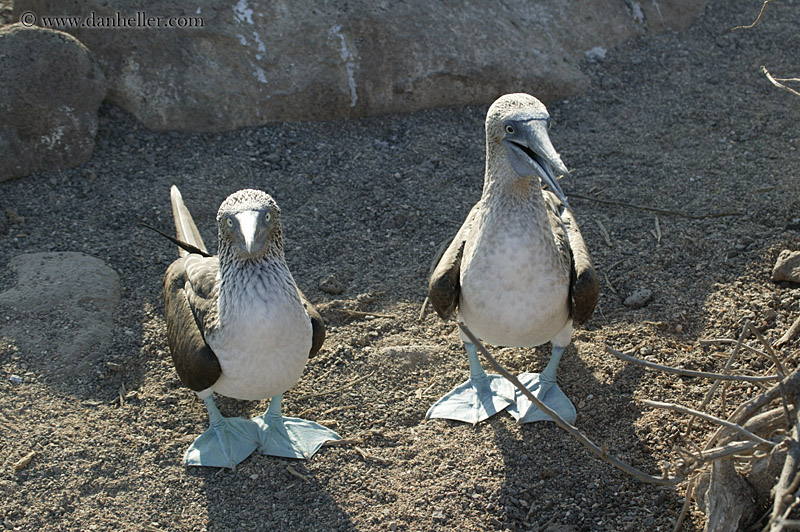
column 778, row 83
column 570, row 428
column 689, row 372
column 758, row 19
column 708, row 417
column 656, row 209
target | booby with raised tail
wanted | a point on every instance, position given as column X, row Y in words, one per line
column 238, row 325
column 518, row 271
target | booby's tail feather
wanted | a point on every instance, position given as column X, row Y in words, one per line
column 185, row 228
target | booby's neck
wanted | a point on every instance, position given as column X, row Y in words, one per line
column 260, row 279
column 502, row 185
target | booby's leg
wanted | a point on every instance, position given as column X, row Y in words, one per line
column 289, row 437
column 543, row 386
column 479, row 398
column 228, row 440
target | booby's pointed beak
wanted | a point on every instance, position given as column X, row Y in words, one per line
column 532, row 154
column 250, row 237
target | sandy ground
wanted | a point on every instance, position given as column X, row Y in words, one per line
column 684, row 122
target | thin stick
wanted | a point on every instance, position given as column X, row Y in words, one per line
column 708, row 417
column 774, row 82
column 689, row 372
column 294, row 472
column 787, row 482
column 369, row 457
column 726, row 369
column 604, row 232
column 732, row 448
column 686, row 502
column 334, row 390
column 789, row 335
column 655, row 209
column 571, row 429
column 610, row 286
column 422, row 310
column 343, row 442
column 749, row 408
column 658, row 232
column 761, row 13
column 781, row 372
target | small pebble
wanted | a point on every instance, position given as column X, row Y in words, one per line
column 331, row 285
column 679, row 328
column 15, row 379
column 638, row 299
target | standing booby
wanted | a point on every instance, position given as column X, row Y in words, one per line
column 238, row 325
column 518, row 270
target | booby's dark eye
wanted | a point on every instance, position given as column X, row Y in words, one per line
column 229, row 222
column 510, row 129
column 268, row 216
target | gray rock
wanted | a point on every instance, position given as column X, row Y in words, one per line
column 50, row 90
column 249, row 62
column 405, row 356
column 638, row 299
column 331, row 285
column 60, row 315
column 787, row 267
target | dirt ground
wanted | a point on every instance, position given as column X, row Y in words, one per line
column 683, row 121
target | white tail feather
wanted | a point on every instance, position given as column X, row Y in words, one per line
column 185, row 228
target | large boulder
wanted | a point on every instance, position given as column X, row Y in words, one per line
column 59, row 316
column 50, row 90
column 248, row 62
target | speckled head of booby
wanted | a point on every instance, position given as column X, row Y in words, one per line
column 520, row 122
column 249, row 224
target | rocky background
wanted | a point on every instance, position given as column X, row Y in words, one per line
column 93, row 419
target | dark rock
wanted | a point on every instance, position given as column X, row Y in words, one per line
column 50, row 90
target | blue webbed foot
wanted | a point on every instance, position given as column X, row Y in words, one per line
column 477, row 399
column 226, row 443
column 289, row 437
column 527, row 412
column 543, row 386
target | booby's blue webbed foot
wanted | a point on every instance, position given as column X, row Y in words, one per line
column 289, row 437
column 543, row 386
column 477, row 399
column 226, row 443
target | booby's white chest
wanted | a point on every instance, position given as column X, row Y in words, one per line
column 514, row 283
column 264, row 343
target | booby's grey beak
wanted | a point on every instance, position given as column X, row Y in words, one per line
column 532, row 154
column 252, row 233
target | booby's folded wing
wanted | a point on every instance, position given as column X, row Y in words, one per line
column 584, row 284
column 444, row 283
column 190, row 305
column 317, row 325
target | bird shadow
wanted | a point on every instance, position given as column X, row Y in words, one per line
column 549, row 478
column 290, row 497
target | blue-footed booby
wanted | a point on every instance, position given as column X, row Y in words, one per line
column 238, row 325
column 518, row 271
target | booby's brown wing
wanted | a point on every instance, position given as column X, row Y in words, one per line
column 584, row 284
column 317, row 325
column 444, row 282
column 190, row 306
